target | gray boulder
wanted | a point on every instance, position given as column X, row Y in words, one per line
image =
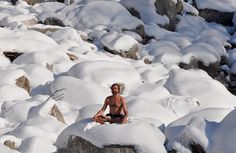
column 79, row 145
column 211, row 15
column 213, row 69
column 131, row 53
column 170, row 9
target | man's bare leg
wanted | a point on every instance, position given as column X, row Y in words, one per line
column 115, row 120
column 102, row 119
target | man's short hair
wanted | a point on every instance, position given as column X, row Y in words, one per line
column 116, row 84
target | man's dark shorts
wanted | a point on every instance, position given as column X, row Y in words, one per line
column 121, row 116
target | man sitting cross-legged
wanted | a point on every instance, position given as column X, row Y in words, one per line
column 116, row 103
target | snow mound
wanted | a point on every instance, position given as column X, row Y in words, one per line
column 117, row 18
column 219, row 5
column 224, row 135
column 25, row 41
column 196, row 83
column 92, row 93
column 118, row 42
column 37, row 145
column 125, row 134
column 105, row 73
column 147, row 11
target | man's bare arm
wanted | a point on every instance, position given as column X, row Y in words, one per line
column 102, row 110
column 125, row 110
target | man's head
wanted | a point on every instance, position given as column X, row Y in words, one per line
column 115, row 89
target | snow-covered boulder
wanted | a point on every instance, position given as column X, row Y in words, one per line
column 33, row 38
column 169, row 8
column 78, row 144
column 196, row 83
column 107, row 134
column 216, row 11
column 224, row 134
column 105, row 72
column 117, row 18
column 121, row 44
column 79, row 93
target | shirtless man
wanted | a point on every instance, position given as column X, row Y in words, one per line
column 116, row 103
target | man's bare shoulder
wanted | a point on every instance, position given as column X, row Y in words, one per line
column 122, row 98
column 108, row 97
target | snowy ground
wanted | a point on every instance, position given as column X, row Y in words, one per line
column 166, row 104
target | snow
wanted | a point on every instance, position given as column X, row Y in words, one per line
column 118, row 42
column 92, row 93
column 110, row 72
column 196, row 83
column 219, row 5
column 19, row 37
column 117, row 18
column 125, row 134
column 36, row 145
column 147, row 11
column 170, row 106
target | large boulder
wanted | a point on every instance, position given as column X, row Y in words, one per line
column 120, row 44
column 170, row 9
column 77, row 144
column 218, row 14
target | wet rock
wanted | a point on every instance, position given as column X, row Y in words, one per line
column 79, row 145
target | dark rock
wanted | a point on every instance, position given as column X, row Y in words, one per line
column 134, row 12
column 79, row 145
column 193, row 64
column 131, row 53
column 12, row 55
column 229, row 46
column 195, row 148
column 55, row 112
column 23, row 82
column 53, row 21
column 141, row 31
column 211, row 15
column 216, row 16
column 179, row 7
column 213, row 69
column 170, row 9
column 72, row 56
column 147, row 61
column 10, row 144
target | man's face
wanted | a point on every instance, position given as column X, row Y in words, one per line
column 115, row 90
